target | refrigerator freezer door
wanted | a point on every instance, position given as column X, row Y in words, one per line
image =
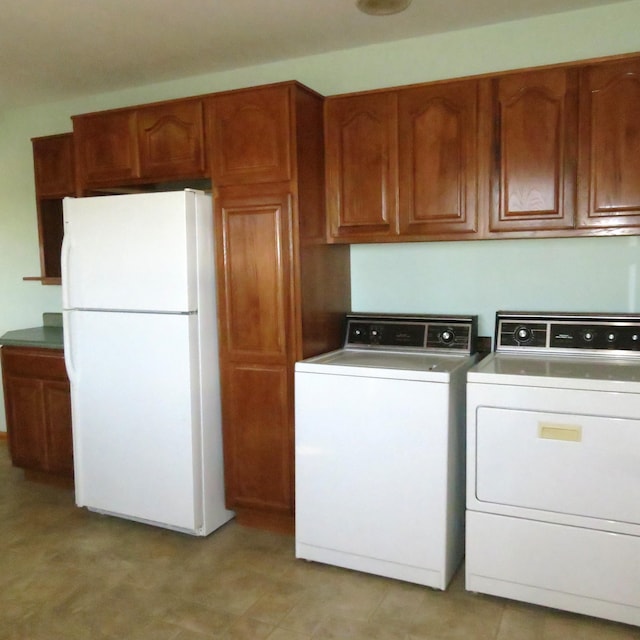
column 131, row 252
column 136, row 415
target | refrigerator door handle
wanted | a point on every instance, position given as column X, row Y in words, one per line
column 68, row 350
column 65, row 261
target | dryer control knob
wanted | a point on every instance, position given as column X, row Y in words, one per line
column 588, row 336
column 611, row 336
column 447, row 336
column 523, row 334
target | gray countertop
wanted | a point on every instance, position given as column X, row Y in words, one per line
column 49, row 335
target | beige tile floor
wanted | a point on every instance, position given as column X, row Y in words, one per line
column 69, row 574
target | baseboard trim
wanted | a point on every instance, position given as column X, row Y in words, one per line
column 266, row 520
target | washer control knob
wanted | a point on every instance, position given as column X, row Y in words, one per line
column 588, row 336
column 374, row 335
column 635, row 337
column 523, row 334
column 611, row 336
column 447, row 336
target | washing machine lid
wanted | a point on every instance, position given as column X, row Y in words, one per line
column 565, row 372
column 387, row 364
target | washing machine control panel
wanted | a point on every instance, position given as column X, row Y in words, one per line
column 595, row 333
column 412, row 333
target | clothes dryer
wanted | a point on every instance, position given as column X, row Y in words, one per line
column 553, row 479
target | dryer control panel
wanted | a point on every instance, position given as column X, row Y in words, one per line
column 412, row 333
column 565, row 332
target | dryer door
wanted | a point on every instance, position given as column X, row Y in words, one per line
column 559, row 463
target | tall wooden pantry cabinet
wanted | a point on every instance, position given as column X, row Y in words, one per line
column 282, row 291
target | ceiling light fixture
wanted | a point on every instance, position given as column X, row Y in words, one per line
column 382, row 7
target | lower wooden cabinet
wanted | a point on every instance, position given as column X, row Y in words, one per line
column 38, row 409
column 259, row 447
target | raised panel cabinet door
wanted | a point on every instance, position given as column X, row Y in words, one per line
column 361, row 165
column 438, row 159
column 54, row 166
column 26, row 421
column 106, row 148
column 534, row 151
column 250, row 136
column 171, row 140
column 254, row 265
column 59, row 441
column 258, row 441
column 609, row 156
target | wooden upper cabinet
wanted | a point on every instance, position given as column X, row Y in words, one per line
column 171, row 140
column 250, row 135
column 106, row 148
column 54, row 166
column 152, row 143
column 438, row 159
column 361, row 165
column 533, row 173
column 609, row 145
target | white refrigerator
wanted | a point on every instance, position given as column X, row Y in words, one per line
column 140, row 339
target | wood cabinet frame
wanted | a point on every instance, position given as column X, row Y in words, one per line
column 282, row 291
column 54, row 173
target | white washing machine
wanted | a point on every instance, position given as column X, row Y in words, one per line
column 553, row 478
column 380, row 448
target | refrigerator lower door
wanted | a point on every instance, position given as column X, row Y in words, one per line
column 136, row 415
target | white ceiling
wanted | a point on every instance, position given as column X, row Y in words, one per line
column 57, row 49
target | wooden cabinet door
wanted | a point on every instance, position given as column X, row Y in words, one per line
column 361, row 165
column 59, row 441
column 533, row 173
column 255, row 294
column 609, row 141
column 106, row 148
column 254, row 255
column 438, row 159
column 258, row 437
column 171, row 140
column 250, row 136
column 25, row 422
column 54, row 166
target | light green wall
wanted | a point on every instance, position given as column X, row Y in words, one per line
column 571, row 36
column 576, row 274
